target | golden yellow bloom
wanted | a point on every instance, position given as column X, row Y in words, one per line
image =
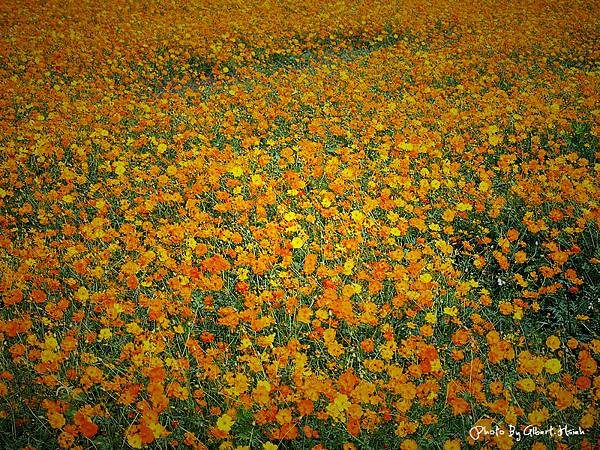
column 225, row 422
column 553, row 365
column 526, row 384
column 56, row 419
column 104, row 334
column 553, row 342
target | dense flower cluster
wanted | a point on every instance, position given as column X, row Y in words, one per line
column 299, row 224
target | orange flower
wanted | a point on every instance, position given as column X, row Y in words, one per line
column 215, row 264
column 88, row 428
column 310, row 262
column 520, row 257
column 586, row 363
column 368, row 345
column 305, row 407
column 460, row 337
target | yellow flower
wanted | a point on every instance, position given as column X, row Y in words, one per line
column 265, row 341
column 257, row 180
column 264, row 384
column 133, row 328
column 494, row 139
column 387, row 350
column 587, row 421
column 297, row 242
column 82, row 294
column 358, row 216
column 224, row 423
column 134, row 440
column 453, row 444
column 50, row 342
column 451, row 311
column 68, row 198
column 56, row 419
column 341, row 402
column 553, row 365
column 448, row 215
column 538, row 416
column 48, row 356
column 348, row 266
column 553, row 342
column 430, row 318
column 236, row 171
column 120, row 168
column 284, row 416
column 338, row 408
column 269, row 446
column 191, row 243
column 245, row 343
column 329, row 335
column 104, row 334
column 395, row 231
column 526, row 384
column 425, row 278
column 518, row 315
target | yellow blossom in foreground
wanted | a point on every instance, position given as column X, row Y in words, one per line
column 553, row 342
column 526, row 384
column 337, row 409
column 237, row 171
column 224, row 423
column 297, row 242
column 104, row 334
column 553, row 365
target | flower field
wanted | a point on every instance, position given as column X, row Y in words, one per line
column 299, row 225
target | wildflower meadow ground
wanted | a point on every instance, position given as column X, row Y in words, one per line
column 299, row 224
